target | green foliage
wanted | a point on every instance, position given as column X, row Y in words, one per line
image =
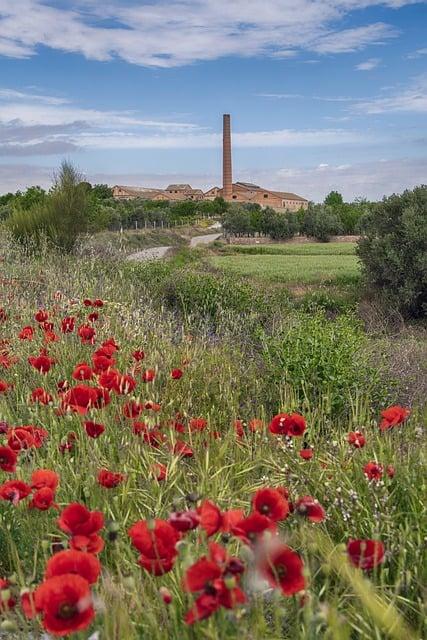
column 61, row 217
column 394, row 251
column 320, row 222
column 334, row 199
column 323, row 361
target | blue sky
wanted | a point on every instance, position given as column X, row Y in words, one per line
column 324, row 94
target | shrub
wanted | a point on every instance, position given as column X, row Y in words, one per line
column 320, row 222
column 323, row 361
column 394, row 251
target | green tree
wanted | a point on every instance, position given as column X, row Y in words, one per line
column 393, row 251
column 333, row 199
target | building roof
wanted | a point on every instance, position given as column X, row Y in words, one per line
column 247, row 185
column 179, row 187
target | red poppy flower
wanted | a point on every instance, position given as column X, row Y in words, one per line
column 41, row 315
column 76, row 519
column 8, row 458
column 47, row 326
column 373, row 470
column 159, row 471
column 41, row 396
column 102, row 362
column 138, row 355
column 184, row 520
column 156, row 541
column 197, row 424
column 271, row 503
column 132, row 409
column 176, row 374
column 44, row 478
column 43, row 499
column 87, row 302
column 98, row 303
column 286, row 424
column 68, row 324
column 4, row 386
column 365, row 554
column 42, row 363
column 86, row 334
column 256, row 424
column 94, row 429
column 126, row 384
column 213, row 520
column 181, row 448
column 239, row 428
column 82, row 371
column 26, row 437
column 390, row 471
column 148, row 375
column 306, row 454
column 356, row 439
column 65, row 603
column 75, row 562
column 110, row 346
column 93, row 317
column 310, row 508
column 14, row 491
column 252, row 528
column 109, row 479
column 80, row 398
column 393, row 416
column 92, row 543
column 26, row 333
column 166, row 595
column 283, row 569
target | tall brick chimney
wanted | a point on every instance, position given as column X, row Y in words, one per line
column 227, row 177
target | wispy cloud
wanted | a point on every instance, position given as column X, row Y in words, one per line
column 411, row 99
column 368, row 65
column 171, row 33
column 417, row 54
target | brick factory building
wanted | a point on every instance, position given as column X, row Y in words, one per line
column 242, row 192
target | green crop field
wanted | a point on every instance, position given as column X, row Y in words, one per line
column 302, row 268
column 289, row 249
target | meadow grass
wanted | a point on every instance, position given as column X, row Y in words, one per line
column 233, row 370
column 296, row 268
column 293, row 249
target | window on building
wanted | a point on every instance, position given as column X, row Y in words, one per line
column 234, row 197
column 265, row 195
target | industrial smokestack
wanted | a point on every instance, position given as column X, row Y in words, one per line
column 227, row 177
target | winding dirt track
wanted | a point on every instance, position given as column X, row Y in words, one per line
column 156, row 253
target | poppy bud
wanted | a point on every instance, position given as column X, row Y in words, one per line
column 230, row 582
column 165, row 595
column 5, row 594
column 112, row 531
column 192, row 497
column 8, row 626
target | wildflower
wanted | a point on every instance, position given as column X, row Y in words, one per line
column 109, row 479
column 181, row 448
column 184, row 520
column 76, row 519
column 213, row 520
column 81, row 398
column 132, row 409
column 26, row 333
column 373, row 471
column 68, row 324
column 8, row 459
column 75, row 562
column 255, row 424
column 306, row 453
column 65, row 603
column 198, row 424
column 283, row 569
column 148, row 375
column 287, row 424
column 159, row 471
column 26, row 437
column 94, row 429
column 176, row 374
column 102, row 362
column 310, row 508
column 4, row 386
column 41, row 396
column 42, row 363
column 43, row 499
column 41, row 316
column 44, row 478
column 356, row 439
column 156, row 541
column 365, row 554
column 138, row 355
column 166, row 595
column 14, row 490
column 390, row 471
column 82, row 371
column 393, row 416
column 86, row 334
column 253, row 527
column 271, row 503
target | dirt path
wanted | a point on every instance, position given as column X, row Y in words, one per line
column 157, row 253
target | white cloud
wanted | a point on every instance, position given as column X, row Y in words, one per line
column 170, row 33
column 417, row 54
column 412, row 99
column 368, row 65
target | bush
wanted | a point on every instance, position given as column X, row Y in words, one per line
column 394, row 251
column 323, row 361
column 61, row 217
